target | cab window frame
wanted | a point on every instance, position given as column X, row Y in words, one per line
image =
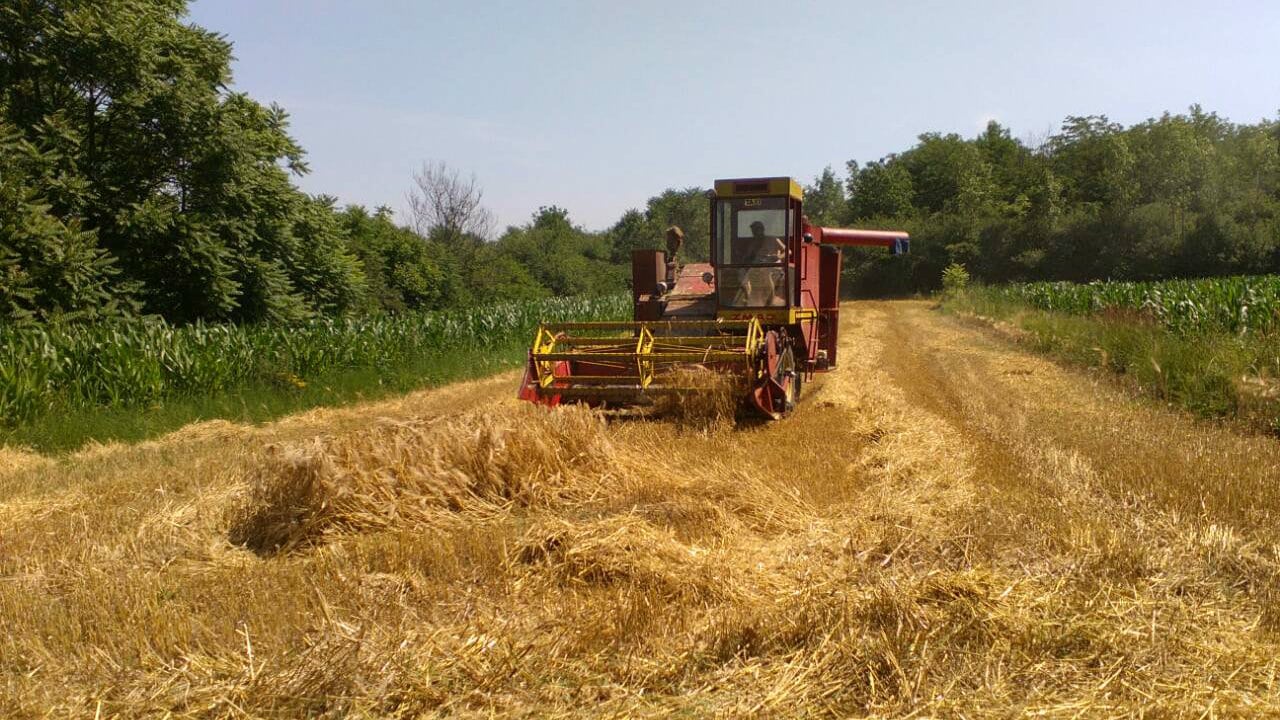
column 727, row 228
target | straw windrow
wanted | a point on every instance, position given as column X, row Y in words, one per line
column 944, row 528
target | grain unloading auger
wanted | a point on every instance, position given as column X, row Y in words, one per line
column 764, row 312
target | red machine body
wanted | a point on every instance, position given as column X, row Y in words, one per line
column 765, row 307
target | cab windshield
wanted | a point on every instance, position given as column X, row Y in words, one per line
column 752, row 235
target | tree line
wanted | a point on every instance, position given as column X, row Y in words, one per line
column 135, row 181
column 1181, row 195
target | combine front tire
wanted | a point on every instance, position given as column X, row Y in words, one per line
column 789, row 379
column 779, row 385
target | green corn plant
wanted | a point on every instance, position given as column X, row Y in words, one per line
column 129, row 363
column 1234, row 304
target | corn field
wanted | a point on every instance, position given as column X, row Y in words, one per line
column 1233, row 304
column 45, row 369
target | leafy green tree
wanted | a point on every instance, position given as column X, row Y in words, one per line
column 185, row 184
column 631, row 232
column 691, row 210
column 944, row 166
column 404, row 270
column 1170, row 161
column 824, row 200
column 1254, row 152
column 497, row 276
column 562, row 257
column 881, row 189
column 1093, row 158
column 50, row 267
column 1010, row 162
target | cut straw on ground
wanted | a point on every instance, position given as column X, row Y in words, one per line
column 947, row 527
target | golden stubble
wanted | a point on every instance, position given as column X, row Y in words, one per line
column 947, row 526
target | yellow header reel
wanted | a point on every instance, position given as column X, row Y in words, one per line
column 631, row 362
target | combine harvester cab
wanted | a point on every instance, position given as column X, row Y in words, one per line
column 763, row 315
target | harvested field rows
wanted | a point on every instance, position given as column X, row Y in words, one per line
column 947, row 526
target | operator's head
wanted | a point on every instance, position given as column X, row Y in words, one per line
column 757, row 229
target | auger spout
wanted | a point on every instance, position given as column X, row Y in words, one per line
column 897, row 241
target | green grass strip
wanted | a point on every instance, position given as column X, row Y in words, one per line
column 1209, row 372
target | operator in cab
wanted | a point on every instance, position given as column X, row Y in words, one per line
column 768, row 251
column 761, row 284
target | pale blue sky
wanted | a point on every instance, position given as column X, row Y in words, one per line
column 595, row 106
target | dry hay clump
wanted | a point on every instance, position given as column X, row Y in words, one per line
column 15, row 460
column 419, row 472
column 704, row 399
column 863, row 644
column 623, row 550
column 216, row 430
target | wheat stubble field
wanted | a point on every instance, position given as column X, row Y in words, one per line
column 947, row 527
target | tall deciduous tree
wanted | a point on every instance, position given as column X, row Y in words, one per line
column 50, row 266
column 1094, row 160
column 444, row 204
column 562, row 257
column 883, row 188
column 824, row 200
column 687, row 208
column 404, row 271
column 645, row 229
column 185, row 184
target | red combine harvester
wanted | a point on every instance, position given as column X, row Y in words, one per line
column 765, row 310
